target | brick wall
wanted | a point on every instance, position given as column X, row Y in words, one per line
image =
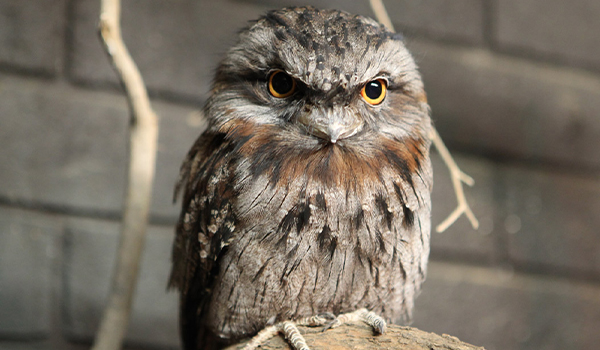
column 515, row 90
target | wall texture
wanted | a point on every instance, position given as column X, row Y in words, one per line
column 515, row 90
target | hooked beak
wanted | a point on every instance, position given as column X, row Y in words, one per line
column 331, row 124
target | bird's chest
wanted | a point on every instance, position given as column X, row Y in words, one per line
column 307, row 250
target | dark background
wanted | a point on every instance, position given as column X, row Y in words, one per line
column 514, row 87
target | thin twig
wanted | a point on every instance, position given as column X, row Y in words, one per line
column 381, row 13
column 142, row 157
column 458, row 177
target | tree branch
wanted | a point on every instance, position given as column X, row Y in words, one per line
column 381, row 13
column 143, row 135
column 457, row 175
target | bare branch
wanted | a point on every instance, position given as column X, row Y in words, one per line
column 458, row 177
column 142, row 157
column 381, row 13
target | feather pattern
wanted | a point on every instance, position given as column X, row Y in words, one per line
column 278, row 224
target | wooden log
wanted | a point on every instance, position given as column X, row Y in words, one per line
column 359, row 336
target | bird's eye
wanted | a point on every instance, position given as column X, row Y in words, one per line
column 281, row 85
column 374, row 91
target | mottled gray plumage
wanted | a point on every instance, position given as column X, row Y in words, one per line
column 280, row 220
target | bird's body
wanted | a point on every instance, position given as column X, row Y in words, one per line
column 317, row 201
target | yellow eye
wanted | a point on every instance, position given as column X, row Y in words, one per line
column 374, row 91
column 281, row 85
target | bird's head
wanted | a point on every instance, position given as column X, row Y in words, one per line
column 315, row 80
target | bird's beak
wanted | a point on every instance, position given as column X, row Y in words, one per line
column 331, row 124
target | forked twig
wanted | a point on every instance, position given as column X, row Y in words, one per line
column 143, row 134
column 458, row 177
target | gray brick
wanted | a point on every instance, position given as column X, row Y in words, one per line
column 355, row 7
column 28, row 249
column 455, row 20
column 65, row 344
column 461, row 240
column 31, row 34
column 552, row 220
column 503, row 311
column 551, row 28
column 513, row 107
column 67, row 147
column 12, row 345
column 179, row 128
column 90, row 260
column 176, row 44
column 460, row 20
column 44, row 345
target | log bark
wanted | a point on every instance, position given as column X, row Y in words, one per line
column 359, row 336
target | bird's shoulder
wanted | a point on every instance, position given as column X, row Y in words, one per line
column 207, row 220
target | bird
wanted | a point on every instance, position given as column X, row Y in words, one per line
column 309, row 192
